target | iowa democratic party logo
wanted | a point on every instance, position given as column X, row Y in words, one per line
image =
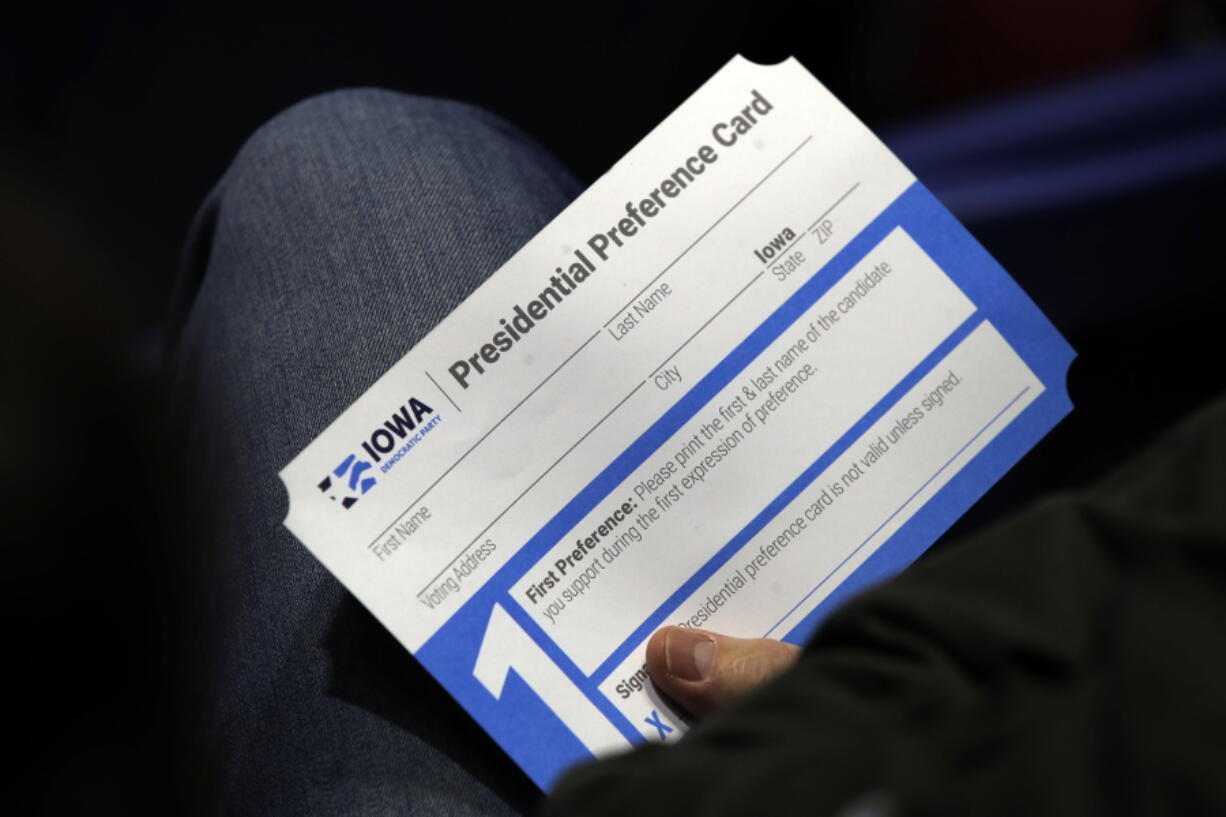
column 350, row 473
column 355, row 477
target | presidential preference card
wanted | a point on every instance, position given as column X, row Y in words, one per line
column 754, row 368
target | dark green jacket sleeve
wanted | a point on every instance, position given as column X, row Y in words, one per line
column 1071, row 660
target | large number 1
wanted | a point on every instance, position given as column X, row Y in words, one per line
column 507, row 647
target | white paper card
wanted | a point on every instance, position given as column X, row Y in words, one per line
column 755, row 367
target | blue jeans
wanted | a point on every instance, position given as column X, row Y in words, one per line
column 345, row 229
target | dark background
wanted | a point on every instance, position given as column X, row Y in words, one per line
column 116, row 118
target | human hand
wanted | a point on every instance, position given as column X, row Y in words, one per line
column 705, row 671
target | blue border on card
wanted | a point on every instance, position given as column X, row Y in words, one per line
column 520, row 721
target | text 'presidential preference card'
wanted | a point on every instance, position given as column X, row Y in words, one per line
column 754, row 367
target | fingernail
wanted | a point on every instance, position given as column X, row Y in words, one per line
column 688, row 654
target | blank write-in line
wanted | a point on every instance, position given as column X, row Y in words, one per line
column 890, row 518
column 830, row 209
column 698, row 331
column 494, row 428
column 524, row 493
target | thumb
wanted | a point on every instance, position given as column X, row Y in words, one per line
column 705, row 671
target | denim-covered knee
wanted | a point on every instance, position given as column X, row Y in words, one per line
column 348, row 226
column 392, row 154
column 368, row 178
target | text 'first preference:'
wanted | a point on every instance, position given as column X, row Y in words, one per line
column 754, row 368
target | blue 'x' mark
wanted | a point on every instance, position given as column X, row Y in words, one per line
column 662, row 727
